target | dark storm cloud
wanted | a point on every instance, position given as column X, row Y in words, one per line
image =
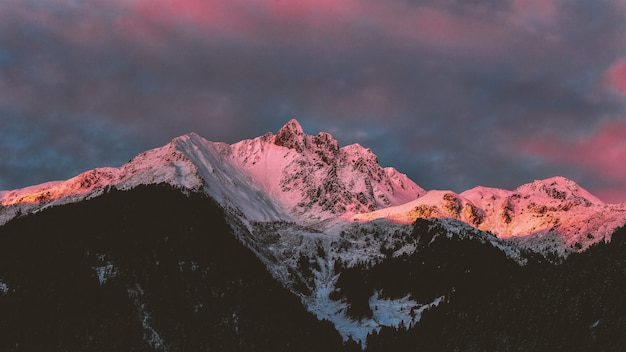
column 451, row 92
column 57, row 148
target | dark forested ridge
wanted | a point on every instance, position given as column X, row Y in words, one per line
column 174, row 278
column 465, row 270
column 578, row 305
column 153, row 269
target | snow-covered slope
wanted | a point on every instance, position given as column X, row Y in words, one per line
column 285, row 176
column 292, row 176
column 551, row 215
column 188, row 162
column 434, row 204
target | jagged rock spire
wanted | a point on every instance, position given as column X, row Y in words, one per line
column 291, row 136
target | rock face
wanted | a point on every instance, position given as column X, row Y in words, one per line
column 554, row 215
column 291, row 136
column 313, row 178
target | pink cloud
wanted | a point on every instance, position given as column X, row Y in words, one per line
column 616, row 76
column 318, row 22
column 153, row 22
column 613, row 195
column 240, row 17
column 226, row 15
column 307, row 24
column 440, row 28
column 542, row 19
column 540, row 9
column 70, row 18
column 308, row 9
column 603, row 153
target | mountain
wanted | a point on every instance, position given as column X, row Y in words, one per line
column 148, row 269
column 292, row 176
column 285, row 176
column 574, row 306
column 554, row 215
column 357, row 244
column 313, row 178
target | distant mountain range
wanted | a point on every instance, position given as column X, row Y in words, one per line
column 360, row 246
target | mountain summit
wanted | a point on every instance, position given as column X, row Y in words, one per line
column 291, row 136
column 305, row 178
column 290, row 174
column 313, row 178
column 554, row 215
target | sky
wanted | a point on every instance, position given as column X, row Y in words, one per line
column 454, row 93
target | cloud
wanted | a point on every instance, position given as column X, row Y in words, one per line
column 616, row 76
column 600, row 153
column 325, row 27
column 29, row 151
column 532, row 12
column 443, row 90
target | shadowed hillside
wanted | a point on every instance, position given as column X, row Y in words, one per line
column 150, row 269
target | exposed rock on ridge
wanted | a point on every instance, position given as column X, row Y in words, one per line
column 318, row 179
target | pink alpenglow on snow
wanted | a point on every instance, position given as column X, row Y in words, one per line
column 308, row 179
column 553, row 214
column 280, row 176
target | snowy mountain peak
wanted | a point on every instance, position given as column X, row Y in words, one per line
column 186, row 137
column 288, row 176
column 313, row 178
column 304, row 178
column 559, row 188
column 291, row 136
column 551, row 215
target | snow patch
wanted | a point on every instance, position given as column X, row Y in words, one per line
column 395, row 312
column 105, row 272
column 151, row 336
column 386, row 311
column 4, row 288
